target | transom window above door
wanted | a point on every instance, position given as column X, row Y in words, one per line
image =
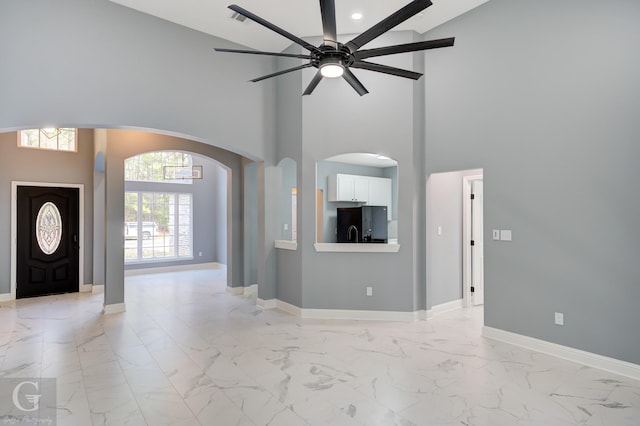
column 51, row 138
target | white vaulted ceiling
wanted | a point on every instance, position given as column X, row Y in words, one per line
column 299, row 17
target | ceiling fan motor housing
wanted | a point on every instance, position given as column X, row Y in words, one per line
column 331, row 56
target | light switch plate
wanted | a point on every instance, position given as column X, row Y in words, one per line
column 496, row 234
column 505, row 234
column 559, row 318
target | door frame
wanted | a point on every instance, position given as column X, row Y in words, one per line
column 466, row 237
column 14, row 230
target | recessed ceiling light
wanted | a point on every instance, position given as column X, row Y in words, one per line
column 356, row 16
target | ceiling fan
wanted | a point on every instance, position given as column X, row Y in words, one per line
column 334, row 59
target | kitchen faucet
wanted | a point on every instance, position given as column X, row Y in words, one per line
column 352, row 228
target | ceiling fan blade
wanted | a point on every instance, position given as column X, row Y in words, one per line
column 388, row 23
column 313, row 84
column 256, row 52
column 354, row 82
column 275, row 74
column 386, row 69
column 328, row 12
column 272, row 27
column 402, row 48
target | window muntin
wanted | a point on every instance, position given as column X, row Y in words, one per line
column 149, row 167
column 158, row 226
column 55, row 139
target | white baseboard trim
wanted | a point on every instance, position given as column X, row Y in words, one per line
column 236, row 291
column 589, row 359
column 98, row 288
column 5, row 297
column 266, row 304
column 445, row 307
column 177, row 268
column 86, row 288
column 251, row 290
column 114, row 308
column 341, row 314
column 288, row 308
column 360, row 315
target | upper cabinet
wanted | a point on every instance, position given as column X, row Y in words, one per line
column 379, row 192
column 375, row 191
column 343, row 187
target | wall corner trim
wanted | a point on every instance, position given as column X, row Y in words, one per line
column 589, row 359
column 86, row 288
column 236, row 291
column 114, row 308
column 286, row 245
column 250, row 290
column 267, row 304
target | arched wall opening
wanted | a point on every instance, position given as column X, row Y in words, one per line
column 99, row 165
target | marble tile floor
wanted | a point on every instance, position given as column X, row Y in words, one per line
column 186, row 352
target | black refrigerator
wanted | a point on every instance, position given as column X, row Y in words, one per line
column 365, row 224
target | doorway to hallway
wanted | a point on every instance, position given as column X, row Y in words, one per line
column 454, row 222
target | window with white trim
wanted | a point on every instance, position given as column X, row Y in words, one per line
column 158, row 226
column 55, row 139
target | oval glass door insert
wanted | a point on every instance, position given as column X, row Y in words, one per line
column 49, row 228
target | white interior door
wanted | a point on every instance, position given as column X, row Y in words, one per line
column 477, row 249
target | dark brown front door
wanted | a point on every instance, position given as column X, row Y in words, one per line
column 47, row 246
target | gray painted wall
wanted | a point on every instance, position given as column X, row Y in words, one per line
column 31, row 165
column 544, row 96
column 206, row 225
column 99, row 208
column 148, row 74
column 251, row 223
column 335, row 120
column 289, row 172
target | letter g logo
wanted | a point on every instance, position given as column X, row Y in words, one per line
column 32, row 398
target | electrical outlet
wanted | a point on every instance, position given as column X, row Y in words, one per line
column 369, row 291
column 200, row 253
column 286, row 227
column 559, row 318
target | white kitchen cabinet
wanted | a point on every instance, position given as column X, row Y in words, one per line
column 374, row 191
column 379, row 192
column 351, row 188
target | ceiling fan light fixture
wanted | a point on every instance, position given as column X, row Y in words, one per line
column 331, row 67
column 332, row 70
